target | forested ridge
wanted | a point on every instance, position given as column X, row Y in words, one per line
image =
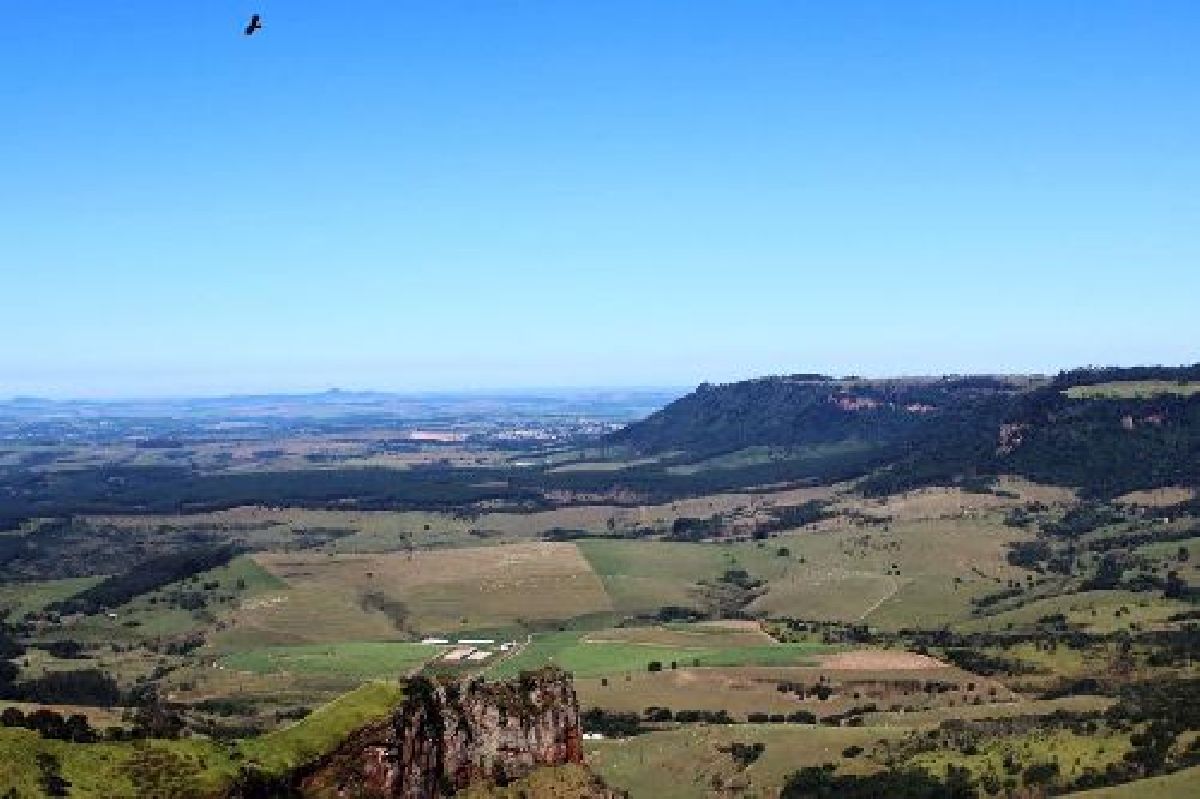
column 951, row 430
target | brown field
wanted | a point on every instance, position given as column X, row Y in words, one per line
column 866, row 679
column 879, row 660
column 99, row 717
column 443, row 591
column 1158, row 497
column 942, row 503
column 687, row 689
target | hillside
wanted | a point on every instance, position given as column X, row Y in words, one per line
column 806, row 411
column 1104, row 430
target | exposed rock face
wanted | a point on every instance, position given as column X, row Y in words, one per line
column 448, row 736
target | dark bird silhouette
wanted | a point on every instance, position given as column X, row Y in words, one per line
column 255, row 25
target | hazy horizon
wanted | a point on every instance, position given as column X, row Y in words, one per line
column 501, row 390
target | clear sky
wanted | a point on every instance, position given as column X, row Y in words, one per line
column 413, row 194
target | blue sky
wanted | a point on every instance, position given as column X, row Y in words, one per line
column 453, row 194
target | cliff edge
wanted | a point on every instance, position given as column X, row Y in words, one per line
column 449, row 736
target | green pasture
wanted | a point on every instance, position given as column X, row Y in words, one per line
column 573, row 652
column 31, row 597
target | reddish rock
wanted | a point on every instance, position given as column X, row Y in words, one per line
column 449, row 735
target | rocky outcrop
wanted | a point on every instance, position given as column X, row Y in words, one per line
column 448, row 736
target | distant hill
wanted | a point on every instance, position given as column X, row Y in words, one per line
column 1105, row 430
column 792, row 411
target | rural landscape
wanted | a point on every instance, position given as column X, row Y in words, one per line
column 599, row 400
column 791, row 586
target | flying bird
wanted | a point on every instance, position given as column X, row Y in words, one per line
column 255, row 25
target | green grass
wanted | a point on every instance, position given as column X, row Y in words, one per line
column 22, row 598
column 572, row 652
column 643, row 576
column 365, row 659
column 192, row 766
column 149, row 768
column 1127, row 389
column 255, row 578
column 324, row 729
column 153, row 615
column 1072, row 753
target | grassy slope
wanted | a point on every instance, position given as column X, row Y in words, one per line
column 327, row 727
column 22, row 598
column 158, row 767
column 642, row 576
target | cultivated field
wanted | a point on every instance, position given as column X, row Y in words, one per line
column 1127, row 389
column 369, row 660
column 328, row 598
column 600, row 655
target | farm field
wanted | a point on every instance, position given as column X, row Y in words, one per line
column 742, row 690
column 596, row 655
column 686, row 763
column 710, row 633
column 369, row 660
column 432, row 592
column 913, row 573
column 643, row 576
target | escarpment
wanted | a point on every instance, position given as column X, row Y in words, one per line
column 448, row 736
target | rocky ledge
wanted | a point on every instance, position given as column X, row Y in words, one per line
column 448, row 736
